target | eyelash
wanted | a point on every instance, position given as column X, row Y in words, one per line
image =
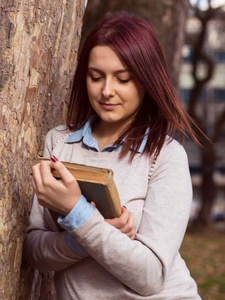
column 95, row 79
column 123, row 81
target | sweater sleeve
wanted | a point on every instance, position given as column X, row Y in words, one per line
column 46, row 248
column 143, row 264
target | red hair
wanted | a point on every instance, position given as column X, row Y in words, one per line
column 137, row 43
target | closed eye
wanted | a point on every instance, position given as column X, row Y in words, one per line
column 123, row 80
column 95, row 79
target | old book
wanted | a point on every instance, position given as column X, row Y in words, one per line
column 97, row 184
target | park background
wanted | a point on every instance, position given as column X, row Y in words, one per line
column 38, row 50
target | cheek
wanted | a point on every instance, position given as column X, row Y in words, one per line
column 92, row 103
column 140, row 96
column 92, row 90
column 137, row 97
column 92, row 95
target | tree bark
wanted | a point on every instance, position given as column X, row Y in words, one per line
column 38, row 51
column 167, row 16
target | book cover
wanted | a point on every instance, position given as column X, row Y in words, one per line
column 96, row 184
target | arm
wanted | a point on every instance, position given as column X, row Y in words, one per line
column 144, row 263
column 49, row 250
column 44, row 247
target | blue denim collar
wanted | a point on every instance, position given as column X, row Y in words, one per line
column 85, row 135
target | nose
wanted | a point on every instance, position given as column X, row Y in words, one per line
column 108, row 88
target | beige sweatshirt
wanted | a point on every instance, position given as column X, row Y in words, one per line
column 118, row 268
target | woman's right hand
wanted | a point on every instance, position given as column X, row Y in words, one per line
column 58, row 195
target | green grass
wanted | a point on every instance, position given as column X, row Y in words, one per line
column 205, row 258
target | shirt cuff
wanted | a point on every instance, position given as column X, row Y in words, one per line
column 77, row 216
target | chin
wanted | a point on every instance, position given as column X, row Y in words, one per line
column 108, row 120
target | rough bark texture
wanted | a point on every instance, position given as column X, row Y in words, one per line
column 38, row 50
column 167, row 16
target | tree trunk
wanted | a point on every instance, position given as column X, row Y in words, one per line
column 168, row 18
column 208, row 154
column 39, row 44
column 208, row 151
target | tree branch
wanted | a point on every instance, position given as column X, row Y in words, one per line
column 218, row 127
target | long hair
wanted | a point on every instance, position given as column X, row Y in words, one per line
column 137, row 43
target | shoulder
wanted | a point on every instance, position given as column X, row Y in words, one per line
column 57, row 135
column 172, row 150
column 171, row 164
column 172, row 155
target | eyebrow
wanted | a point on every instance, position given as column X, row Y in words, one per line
column 117, row 71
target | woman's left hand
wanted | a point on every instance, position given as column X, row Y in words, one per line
column 125, row 223
column 58, row 195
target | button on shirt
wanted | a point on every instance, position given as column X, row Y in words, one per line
column 83, row 209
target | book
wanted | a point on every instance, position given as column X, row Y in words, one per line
column 97, row 184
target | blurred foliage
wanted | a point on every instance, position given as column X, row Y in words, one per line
column 204, row 256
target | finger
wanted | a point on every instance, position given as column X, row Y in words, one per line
column 36, row 178
column 123, row 219
column 66, row 176
column 120, row 222
column 112, row 222
column 132, row 236
column 34, row 184
column 47, row 177
column 129, row 229
column 93, row 203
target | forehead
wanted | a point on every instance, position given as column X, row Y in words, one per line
column 105, row 57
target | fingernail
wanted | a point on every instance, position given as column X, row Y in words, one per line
column 54, row 159
column 124, row 206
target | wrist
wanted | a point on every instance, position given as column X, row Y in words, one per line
column 77, row 216
column 70, row 205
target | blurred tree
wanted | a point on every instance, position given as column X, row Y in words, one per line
column 169, row 20
column 167, row 16
column 203, row 59
column 38, row 50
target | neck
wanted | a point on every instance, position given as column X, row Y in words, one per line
column 106, row 133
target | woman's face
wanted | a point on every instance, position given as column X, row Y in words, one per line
column 114, row 92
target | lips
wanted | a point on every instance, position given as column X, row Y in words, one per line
column 108, row 106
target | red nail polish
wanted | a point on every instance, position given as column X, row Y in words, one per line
column 54, row 159
column 124, row 206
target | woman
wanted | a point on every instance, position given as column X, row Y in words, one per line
column 123, row 114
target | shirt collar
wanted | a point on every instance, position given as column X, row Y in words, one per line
column 78, row 135
column 85, row 134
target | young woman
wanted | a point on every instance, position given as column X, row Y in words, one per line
column 124, row 115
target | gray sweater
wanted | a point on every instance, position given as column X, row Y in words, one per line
column 159, row 194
